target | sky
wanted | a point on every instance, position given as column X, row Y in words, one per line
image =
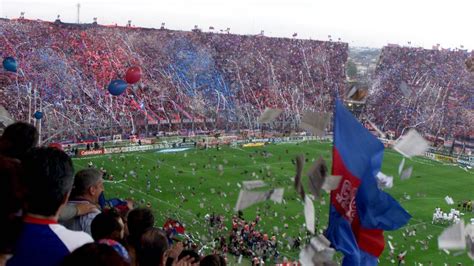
column 370, row 23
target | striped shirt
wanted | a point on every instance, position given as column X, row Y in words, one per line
column 45, row 242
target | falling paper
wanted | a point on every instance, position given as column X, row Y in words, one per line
column 317, row 175
column 249, row 185
column 331, row 182
column 470, row 245
column 453, row 237
column 315, row 122
column 317, row 252
column 404, row 88
column 240, row 259
column 248, row 198
column 269, row 115
column 406, row 174
column 400, row 167
column 5, row 117
column 384, row 181
column 411, row 144
column 299, row 171
column 390, row 245
column 309, row 214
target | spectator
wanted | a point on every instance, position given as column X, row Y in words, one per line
column 152, row 247
column 94, row 254
column 88, row 186
column 18, row 139
column 108, row 225
column 139, row 220
column 48, row 179
column 71, row 211
column 108, row 228
column 10, row 210
column 15, row 142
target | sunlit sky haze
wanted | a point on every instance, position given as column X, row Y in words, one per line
column 359, row 22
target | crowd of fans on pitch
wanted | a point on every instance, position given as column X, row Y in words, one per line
column 429, row 89
column 185, row 75
column 52, row 217
column 245, row 239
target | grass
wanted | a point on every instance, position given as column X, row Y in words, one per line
column 187, row 185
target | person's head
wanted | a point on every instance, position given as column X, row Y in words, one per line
column 152, row 247
column 94, row 254
column 48, row 178
column 88, row 184
column 213, row 260
column 138, row 221
column 17, row 139
column 107, row 225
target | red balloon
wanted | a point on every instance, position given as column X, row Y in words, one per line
column 133, row 75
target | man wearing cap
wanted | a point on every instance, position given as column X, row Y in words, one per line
column 88, row 186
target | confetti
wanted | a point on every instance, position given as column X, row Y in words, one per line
column 411, row 144
column 248, row 198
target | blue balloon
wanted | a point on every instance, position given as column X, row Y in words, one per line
column 10, row 64
column 38, row 115
column 117, row 87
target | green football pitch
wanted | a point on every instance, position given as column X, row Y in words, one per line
column 189, row 184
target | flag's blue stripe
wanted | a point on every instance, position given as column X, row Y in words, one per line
column 377, row 209
column 368, row 260
column 361, row 152
column 339, row 233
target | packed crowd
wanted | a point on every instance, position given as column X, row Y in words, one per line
column 215, row 80
column 427, row 89
column 202, row 81
column 52, row 217
column 454, row 216
column 246, row 239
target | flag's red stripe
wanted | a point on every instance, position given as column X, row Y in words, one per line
column 369, row 240
column 343, row 199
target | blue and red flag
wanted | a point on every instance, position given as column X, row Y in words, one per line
column 359, row 210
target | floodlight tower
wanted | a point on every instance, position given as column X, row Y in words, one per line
column 78, row 12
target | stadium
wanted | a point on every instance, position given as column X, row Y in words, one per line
column 244, row 148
